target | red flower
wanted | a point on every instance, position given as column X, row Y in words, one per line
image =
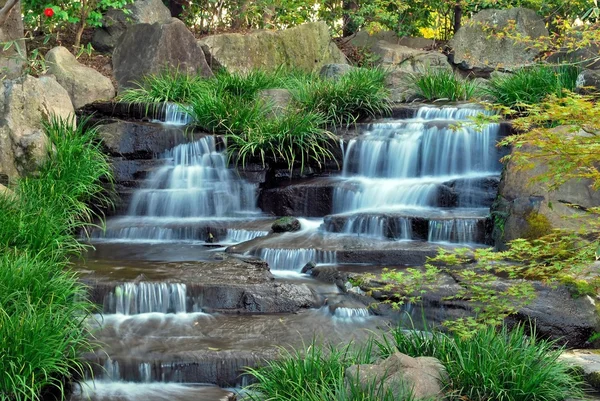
column 48, row 12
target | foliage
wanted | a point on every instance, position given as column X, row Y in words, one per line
column 492, row 364
column 531, row 85
column 437, row 84
column 41, row 304
column 228, row 104
column 316, row 374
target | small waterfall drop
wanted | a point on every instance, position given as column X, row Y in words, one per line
column 138, row 298
column 295, row 259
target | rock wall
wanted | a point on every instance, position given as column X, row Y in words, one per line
column 13, row 58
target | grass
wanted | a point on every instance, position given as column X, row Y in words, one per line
column 532, row 85
column 228, row 105
column 316, row 374
column 41, row 303
column 437, row 84
column 502, row 365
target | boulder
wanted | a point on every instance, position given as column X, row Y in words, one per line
column 475, row 47
column 286, row 224
column 528, row 209
column 24, row 104
column 279, row 100
column 12, row 59
column 588, row 82
column 150, row 48
column 401, row 86
column 334, row 71
column 399, row 374
column 84, row 84
column 403, row 58
column 368, row 40
column 307, row 47
column 587, row 362
column 116, row 22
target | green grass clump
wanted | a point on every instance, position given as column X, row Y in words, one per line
column 532, row 85
column 437, row 84
column 360, row 93
column 500, row 365
column 316, row 375
column 42, row 308
column 228, row 104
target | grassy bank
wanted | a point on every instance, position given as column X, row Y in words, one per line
column 230, row 104
column 493, row 364
column 41, row 309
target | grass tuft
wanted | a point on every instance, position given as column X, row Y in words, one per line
column 532, row 85
column 493, row 364
column 437, row 84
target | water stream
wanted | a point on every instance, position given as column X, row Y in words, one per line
column 179, row 317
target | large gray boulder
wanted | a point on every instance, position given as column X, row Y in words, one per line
column 84, row 84
column 116, row 22
column 403, row 58
column 364, row 39
column 24, row 104
column 306, row 47
column 475, row 47
column 150, row 48
column 13, row 58
column 527, row 209
column 399, row 374
column 588, row 82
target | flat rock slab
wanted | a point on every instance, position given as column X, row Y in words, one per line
column 588, row 360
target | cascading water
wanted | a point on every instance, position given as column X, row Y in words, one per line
column 405, row 167
column 182, row 199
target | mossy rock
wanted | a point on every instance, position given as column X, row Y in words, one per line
column 286, row 224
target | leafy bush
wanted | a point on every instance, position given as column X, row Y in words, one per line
column 532, row 85
column 41, row 309
column 437, row 84
column 492, row 365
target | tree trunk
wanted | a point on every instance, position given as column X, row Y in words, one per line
column 458, row 12
column 349, row 7
column 13, row 59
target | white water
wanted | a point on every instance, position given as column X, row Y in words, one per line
column 403, row 165
column 295, row 259
column 235, row 236
column 175, row 114
column 138, row 298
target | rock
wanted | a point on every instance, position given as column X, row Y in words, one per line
column 24, row 104
column 400, row 373
column 587, row 361
column 150, row 48
column 279, row 100
column 307, row 47
column 585, row 54
column 403, row 58
column 401, row 86
column 476, row 48
column 84, row 85
column 12, row 59
column 310, row 198
column 366, row 40
column 334, row 71
column 530, row 210
column 5, row 191
column 116, row 22
column 588, row 82
column 307, row 269
column 561, row 316
column 286, row 224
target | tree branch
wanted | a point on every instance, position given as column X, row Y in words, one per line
column 5, row 11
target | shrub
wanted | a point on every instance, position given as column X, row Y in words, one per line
column 532, row 85
column 437, row 84
column 492, row 364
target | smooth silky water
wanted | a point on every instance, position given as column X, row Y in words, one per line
column 406, row 186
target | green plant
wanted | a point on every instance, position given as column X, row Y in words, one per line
column 357, row 94
column 492, row 364
column 435, row 84
column 314, row 375
column 528, row 86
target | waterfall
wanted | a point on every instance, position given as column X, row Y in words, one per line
column 137, row 298
column 295, row 259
